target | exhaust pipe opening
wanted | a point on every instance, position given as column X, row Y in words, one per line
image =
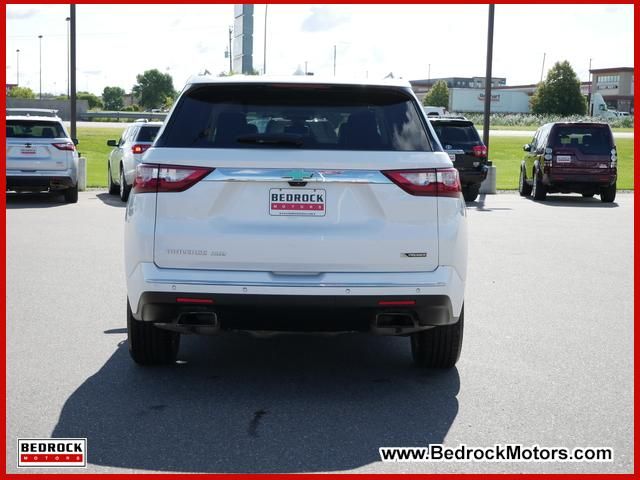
column 395, row 323
column 201, row 323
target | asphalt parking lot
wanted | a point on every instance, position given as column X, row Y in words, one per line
column 547, row 356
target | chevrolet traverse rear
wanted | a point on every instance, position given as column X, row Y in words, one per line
column 296, row 205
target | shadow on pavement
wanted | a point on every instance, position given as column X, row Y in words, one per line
column 573, row 201
column 111, row 200
column 479, row 205
column 34, row 200
column 242, row 404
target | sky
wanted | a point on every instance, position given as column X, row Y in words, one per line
column 118, row 42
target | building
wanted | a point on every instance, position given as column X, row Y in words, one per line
column 531, row 88
column 421, row 87
column 616, row 87
column 243, row 39
column 10, row 86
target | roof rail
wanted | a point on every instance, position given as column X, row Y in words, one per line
column 40, row 112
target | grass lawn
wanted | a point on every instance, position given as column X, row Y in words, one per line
column 533, row 128
column 506, row 154
column 93, row 145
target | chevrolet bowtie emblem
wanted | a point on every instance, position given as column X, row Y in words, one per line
column 298, row 175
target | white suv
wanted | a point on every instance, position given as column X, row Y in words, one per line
column 296, row 205
column 40, row 154
column 127, row 154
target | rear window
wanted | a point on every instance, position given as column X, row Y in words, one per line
column 147, row 134
column 456, row 135
column 594, row 140
column 34, row 129
column 319, row 117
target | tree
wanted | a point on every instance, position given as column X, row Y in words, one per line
column 559, row 93
column 153, row 88
column 21, row 92
column 438, row 96
column 112, row 98
column 94, row 100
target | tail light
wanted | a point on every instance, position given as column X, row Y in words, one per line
column 431, row 182
column 614, row 158
column 65, row 146
column 137, row 149
column 548, row 159
column 167, row 178
column 479, row 151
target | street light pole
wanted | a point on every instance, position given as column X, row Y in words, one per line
column 40, row 94
column 72, row 55
column 230, row 52
column 18, row 67
column 334, row 60
column 264, row 67
column 487, row 81
column 68, row 19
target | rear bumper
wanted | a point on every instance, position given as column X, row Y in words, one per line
column 475, row 175
column 258, row 301
column 40, row 180
column 579, row 181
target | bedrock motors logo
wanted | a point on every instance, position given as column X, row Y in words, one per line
column 52, row 452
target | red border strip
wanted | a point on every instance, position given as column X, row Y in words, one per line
column 324, row 476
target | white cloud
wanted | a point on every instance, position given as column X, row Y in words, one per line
column 323, row 19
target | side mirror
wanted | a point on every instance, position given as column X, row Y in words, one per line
column 75, row 141
column 527, row 148
column 112, row 143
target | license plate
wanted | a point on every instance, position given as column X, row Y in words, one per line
column 305, row 202
column 563, row 158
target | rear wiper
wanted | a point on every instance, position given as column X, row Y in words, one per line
column 272, row 139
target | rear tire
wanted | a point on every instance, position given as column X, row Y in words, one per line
column 124, row 188
column 71, row 194
column 438, row 347
column 114, row 189
column 539, row 191
column 149, row 345
column 470, row 192
column 608, row 194
column 523, row 187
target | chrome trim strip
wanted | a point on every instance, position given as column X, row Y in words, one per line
column 289, row 284
column 284, row 175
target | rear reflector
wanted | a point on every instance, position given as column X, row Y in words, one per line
column 137, row 149
column 396, row 303
column 194, row 300
column 431, row 182
column 167, row 178
column 65, row 146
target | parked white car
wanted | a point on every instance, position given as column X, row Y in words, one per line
column 296, row 205
column 41, row 156
column 127, row 154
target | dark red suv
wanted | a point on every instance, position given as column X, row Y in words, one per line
column 570, row 157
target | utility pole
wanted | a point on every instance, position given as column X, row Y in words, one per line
column 429, row 73
column 590, row 111
column 18, row 67
column 72, row 83
column 264, row 67
column 68, row 19
column 230, row 52
column 334, row 60
column 305, row 67
column 40, row 94
column 544, row 57
column 487, row 81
